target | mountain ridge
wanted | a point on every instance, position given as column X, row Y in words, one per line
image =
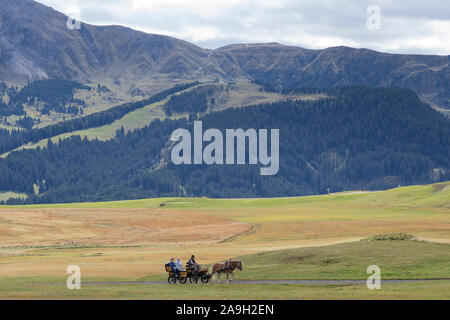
column 51, row 50
column 35, row 43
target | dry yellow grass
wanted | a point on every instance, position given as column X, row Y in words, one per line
column 112, row 227
column 128, row 243
column 133, row 239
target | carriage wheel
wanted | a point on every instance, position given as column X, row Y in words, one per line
column 193, row 279
column 204, row 278
column 171, row 280
column 182, row 280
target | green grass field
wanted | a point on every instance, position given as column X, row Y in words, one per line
column 316, row 237
column 30, row 289
column 435, row 196
column 397, row 260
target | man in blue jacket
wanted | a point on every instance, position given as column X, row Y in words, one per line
column 173, row 266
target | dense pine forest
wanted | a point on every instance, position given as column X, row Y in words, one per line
column 48, row 95
column 55, row 94
column 358, row 137
column 187, row 102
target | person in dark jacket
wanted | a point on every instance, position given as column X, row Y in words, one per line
column 193, row 264
column 173, row 266
column 227, row 264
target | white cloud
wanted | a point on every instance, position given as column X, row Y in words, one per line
column 412, row 27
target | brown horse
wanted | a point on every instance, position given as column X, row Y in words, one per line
column 227, row 267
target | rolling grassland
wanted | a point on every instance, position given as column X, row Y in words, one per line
column 315, row 237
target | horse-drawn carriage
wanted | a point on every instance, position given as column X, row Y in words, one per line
column 227, row 268
column 182, row 276
column 202, row 275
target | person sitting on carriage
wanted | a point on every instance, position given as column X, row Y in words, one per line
column 193, row 265
column 179, row 265
column 227, row 265
column 173, row 266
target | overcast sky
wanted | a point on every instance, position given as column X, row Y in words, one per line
column 415, row 26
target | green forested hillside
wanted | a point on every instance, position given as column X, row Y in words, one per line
column 11, row 140
column 359, row 137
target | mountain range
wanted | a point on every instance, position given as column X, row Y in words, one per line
column 35, row 43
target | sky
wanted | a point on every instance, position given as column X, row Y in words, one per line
column 414, row 26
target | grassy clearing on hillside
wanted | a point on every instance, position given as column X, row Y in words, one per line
column 7, row 195
column 95, row 102
column 445, row 112
column 133, row 120
column 433, row 196
column 245, row 94
column 9, row 127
